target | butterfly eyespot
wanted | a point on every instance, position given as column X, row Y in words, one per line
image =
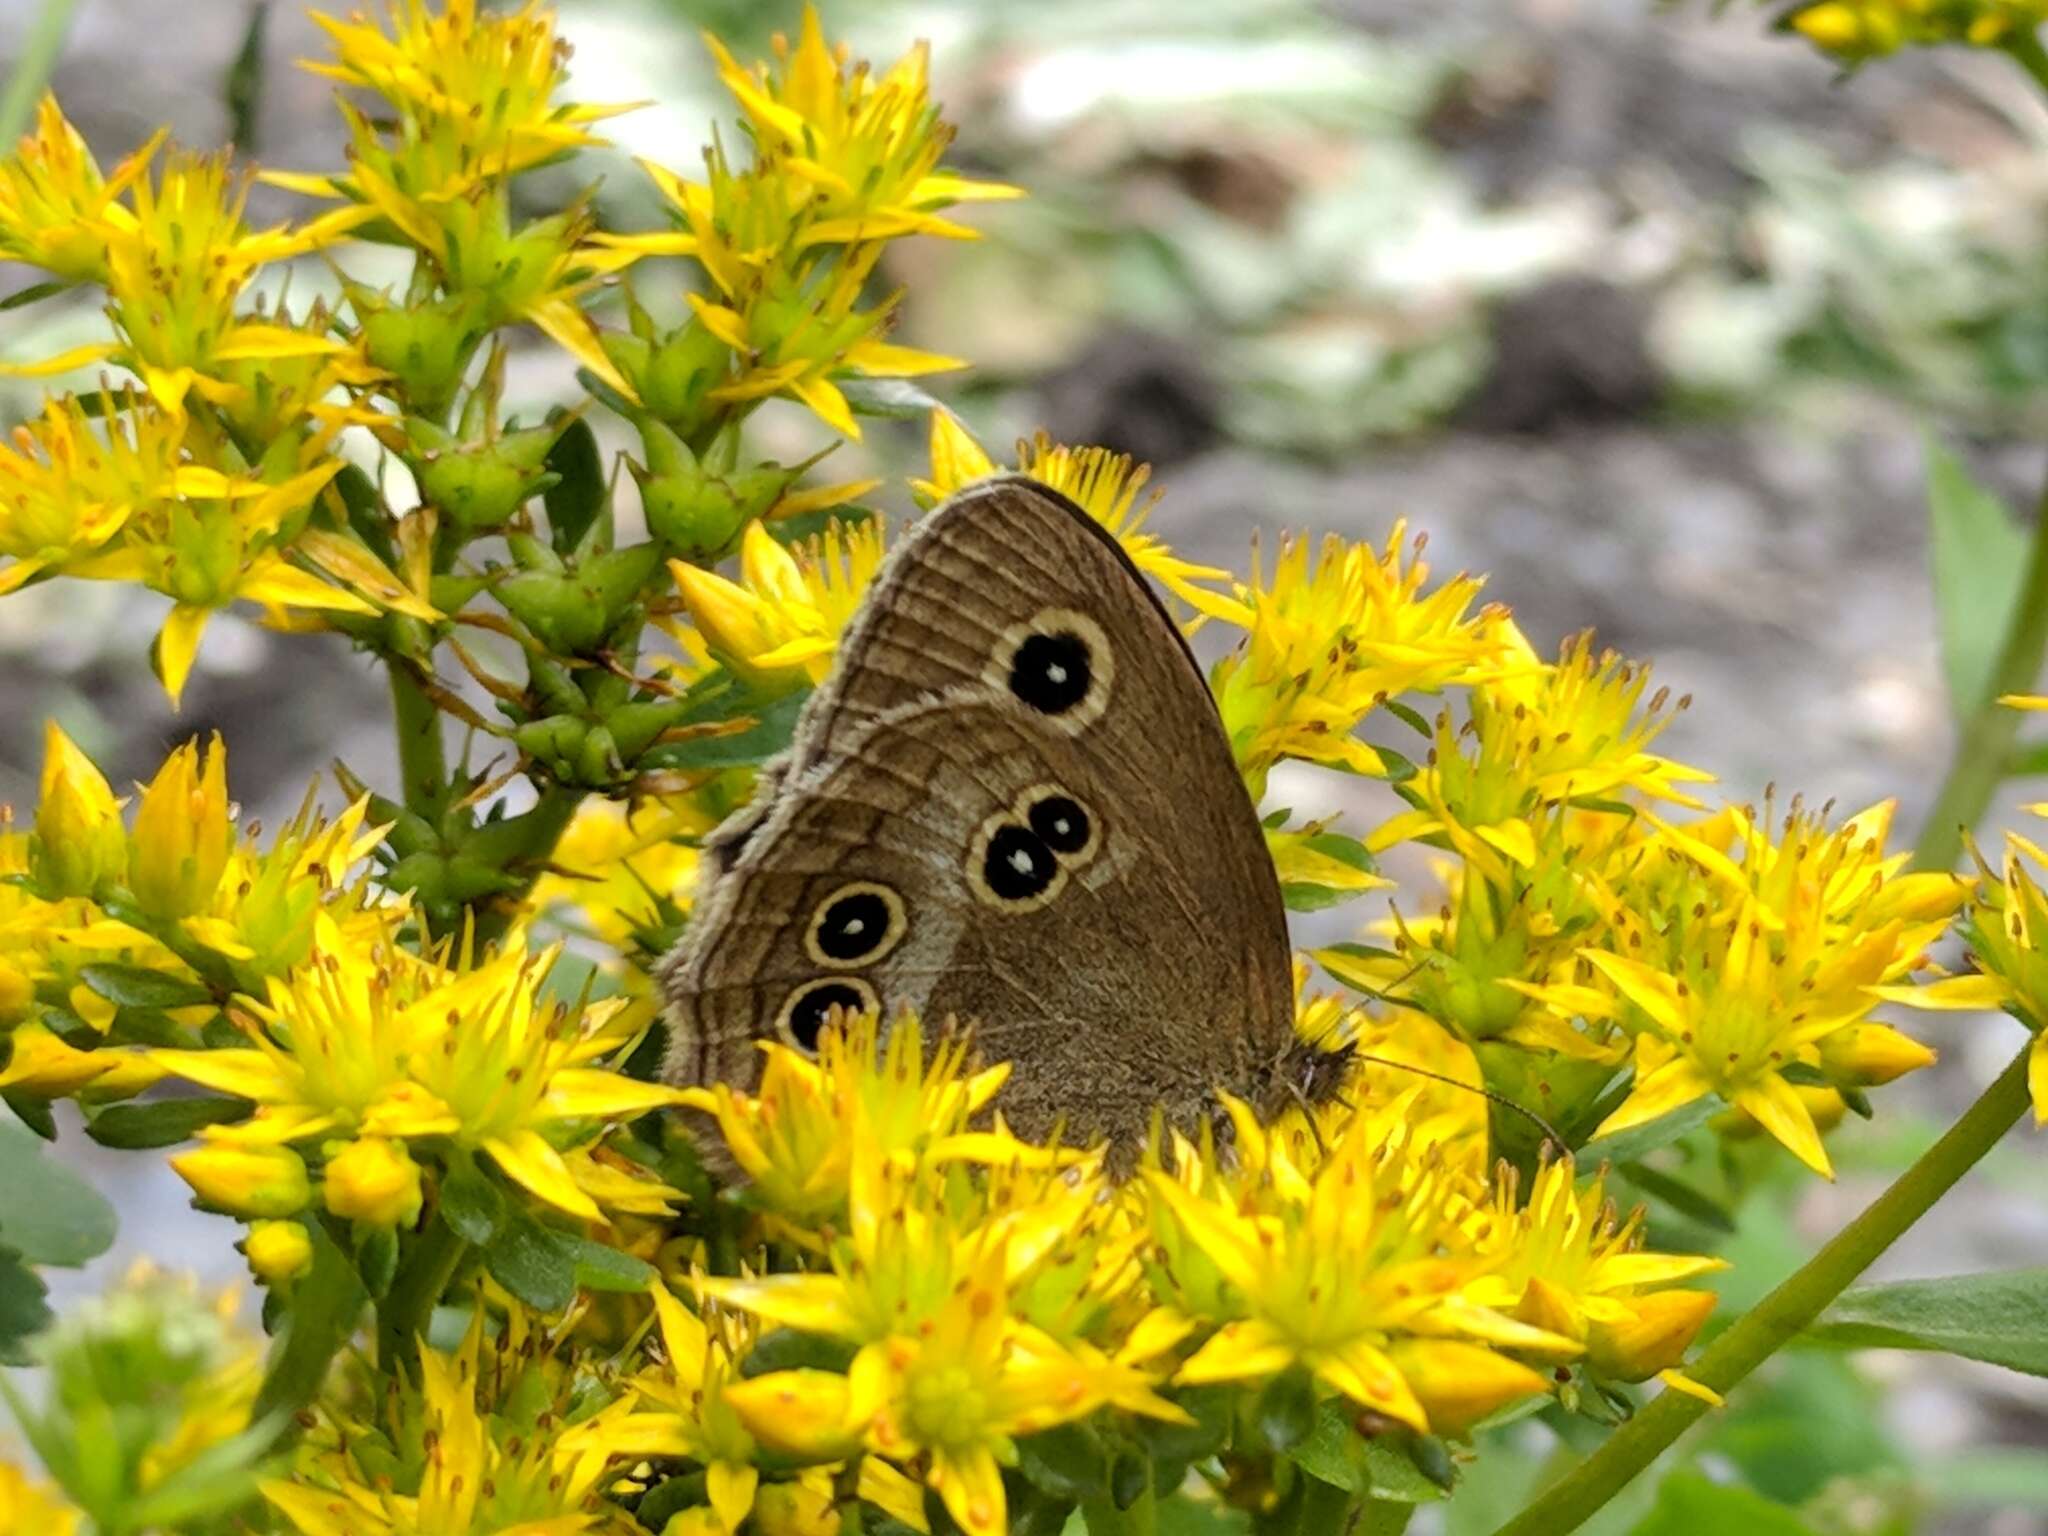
column 1010, row 868
column 806, row 1010
column 856, row 925
column 1062, row 823
column 1056, row 664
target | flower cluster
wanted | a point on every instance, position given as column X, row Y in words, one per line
column 1856, row 30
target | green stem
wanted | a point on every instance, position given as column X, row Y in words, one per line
column 416, row 1290
column 1776, row 1319
column 1984, row 747
column 326, row 1302
column 422, row 754
column 39, row 52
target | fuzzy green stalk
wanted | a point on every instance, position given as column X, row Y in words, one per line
column 1780, row 1316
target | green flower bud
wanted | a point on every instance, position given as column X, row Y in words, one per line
column 477, row 486
column 699, row 507
column 426, row 346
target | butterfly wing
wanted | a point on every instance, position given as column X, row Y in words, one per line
column 1013, row 804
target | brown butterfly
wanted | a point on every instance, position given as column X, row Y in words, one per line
column 1012, row 804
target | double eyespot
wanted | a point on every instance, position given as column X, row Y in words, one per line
column 856, row 925
column 1058, row 664
column 1020, row 857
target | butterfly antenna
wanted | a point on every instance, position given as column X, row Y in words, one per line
column 1550, row 1132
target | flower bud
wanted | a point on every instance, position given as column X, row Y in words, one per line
column 1653, row 1338
column 673, row 374
column 478, row 486
column 79, row 842
column 182, row 832
column 1871, row 1055
column 17, row 993
column 246, row 1180
column 800, row 1413
column 696, row 507
column 1459, row 1384
column 792, row 1509
column 425, row 347
column 278, row 1251
column 373, row 1181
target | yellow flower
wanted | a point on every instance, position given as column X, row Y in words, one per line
column 55, row 207
column 1326, row 1271
column 183, row 834
column 865, row 149
column 2006, row 925
column 278, row 1251
column 486, row 1455
column 247, row 1180
column 780, row 623
column 616, row 865
column 177, row 260
column 375, row 1181
column 1323, row 648
column 1105, row 485
column 843, row 162
column 30, row 1508
column 79, row 842
column 1732, row 973
column 1543, row 738
column 366, row 1040
column 954, row 1395
column 796, row 1135
column 1566, row 1262
column 680, row 1408
column 476, row 88
column 71, row 489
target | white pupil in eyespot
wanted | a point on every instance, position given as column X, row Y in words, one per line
column 854, row 925
column 1055, row 673
column 1021, row 861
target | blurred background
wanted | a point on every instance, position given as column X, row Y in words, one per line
column 1644, row 312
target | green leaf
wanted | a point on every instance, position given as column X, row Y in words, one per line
column 48, row 1214
column 1067, row 1462
column 599, row 1268
column 162, row 1122
column 774, row 723
column 897, row 399
column 471, row 1203
column 531, row 1262
column 24, row 1311
column 1333, row 1451
column 574, row 501
column 1298, row 857
column 1689, row 1505
column 2029, row 760
column 808, row 525
column 1410, row 1472
column 1637, row 1142
column 135, row 986
column 1979, row 556
column 1999, row 1318
column 33, row 292
column 1680, row 1196
column 1286, row 1410
column 787, row 1349
column 243, row 89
